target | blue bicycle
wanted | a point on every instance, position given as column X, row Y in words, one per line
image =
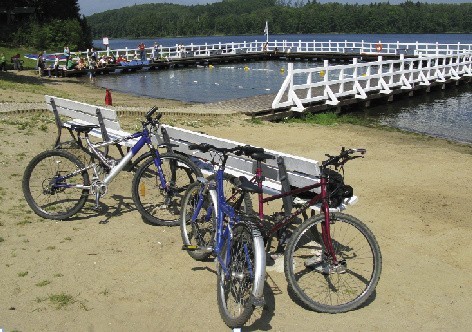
column 56, row 183
column 210, row 225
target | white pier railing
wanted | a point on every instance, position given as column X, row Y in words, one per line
column 284, row 46
column 363, row 47
column 329, row 84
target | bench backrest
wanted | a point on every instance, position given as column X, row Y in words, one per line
column 85, row 112
column 300, row 171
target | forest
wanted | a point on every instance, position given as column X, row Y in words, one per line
column 43, row 24
column 246, row 17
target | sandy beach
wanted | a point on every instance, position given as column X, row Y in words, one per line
column 111, row 271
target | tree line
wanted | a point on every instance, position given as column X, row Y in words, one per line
column 244, row 17
column 44, row 24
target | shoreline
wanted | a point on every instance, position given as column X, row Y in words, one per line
column 24, row 100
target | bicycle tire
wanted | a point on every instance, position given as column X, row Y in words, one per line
column 238, row 291
column 201, row 233
column 46, row 200
column 156, row 206
column 317, row 283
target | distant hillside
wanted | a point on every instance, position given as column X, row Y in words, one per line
column 240, row 17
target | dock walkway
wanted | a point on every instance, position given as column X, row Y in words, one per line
column 370, row 72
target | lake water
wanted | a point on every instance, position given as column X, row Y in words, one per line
column 445, row 114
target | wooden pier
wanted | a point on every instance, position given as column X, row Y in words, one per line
column 352, row 74
column 217, row 60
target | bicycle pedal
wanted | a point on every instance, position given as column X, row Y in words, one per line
column 189, row 247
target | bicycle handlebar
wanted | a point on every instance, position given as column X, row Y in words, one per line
column 149, row 119
column 237, row 150
column 343, row 157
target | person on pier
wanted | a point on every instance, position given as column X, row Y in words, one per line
column 142, row 51
column 155, row 51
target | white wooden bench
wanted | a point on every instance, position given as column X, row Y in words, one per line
column 301, row 171
column 280, row 174
column 85, row 114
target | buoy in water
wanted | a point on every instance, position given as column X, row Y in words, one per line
column 246, row 68
column 322, row 73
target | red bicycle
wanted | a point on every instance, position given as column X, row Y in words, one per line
column 332, row 261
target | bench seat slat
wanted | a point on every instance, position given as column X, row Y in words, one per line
column 112, row 134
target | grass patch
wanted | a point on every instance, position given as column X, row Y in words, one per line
column 22, row 274
column 255, row 121
column 11, row 51
column 43, row 283
column 62, row 300
column 27, row 123
column 104, row 292
column 331, row 119
column 58, row 275
column 24, row 222
column 2, row 239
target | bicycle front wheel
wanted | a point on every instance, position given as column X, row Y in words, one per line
column 157, row 205
column 241, row 275
column 201, row 231
column 51, row 188
column 323, row 286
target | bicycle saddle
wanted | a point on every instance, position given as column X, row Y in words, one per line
column 248, row 186
column 83, row 128
column 261, row 156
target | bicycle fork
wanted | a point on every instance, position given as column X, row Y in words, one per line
column 332, row 265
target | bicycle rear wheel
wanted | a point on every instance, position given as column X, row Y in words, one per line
column 201, row 231
column 240, row 288
column 50, row 189
column 157, row 205
column 316, row 281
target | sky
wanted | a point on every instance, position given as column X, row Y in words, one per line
column 89, row 7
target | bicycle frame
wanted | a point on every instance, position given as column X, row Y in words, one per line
column 321, row 197
column 144, row 138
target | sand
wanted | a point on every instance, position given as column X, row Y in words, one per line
column 114, row 272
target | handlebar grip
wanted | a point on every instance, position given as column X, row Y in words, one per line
column 151, row 112
column 202, row 147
